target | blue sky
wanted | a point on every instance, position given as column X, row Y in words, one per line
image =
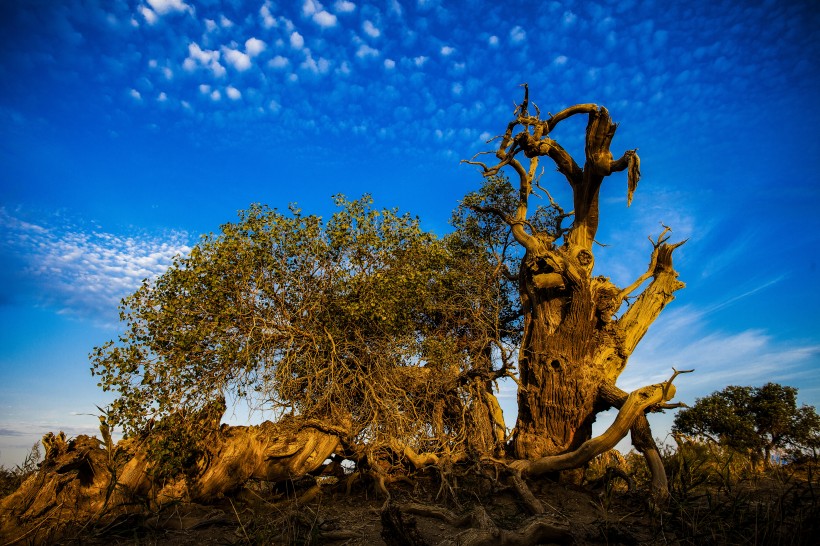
column 128, row 128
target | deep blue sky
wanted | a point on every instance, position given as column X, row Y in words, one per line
column 128, row 128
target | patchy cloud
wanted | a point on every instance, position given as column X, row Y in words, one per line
column 370, row 29
column 517, row 35
column 239, row 60
column 83, row 270
column 254, row 46
column 163, row 7
column 366, row 51
column 296, row 40
column 315, row 10
column 343, row 6
column 233, row 93
column 205, row 58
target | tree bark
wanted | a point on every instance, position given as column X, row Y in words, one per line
column 80, row 481
column 574, row 347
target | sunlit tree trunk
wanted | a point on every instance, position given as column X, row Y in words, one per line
column 574, row 346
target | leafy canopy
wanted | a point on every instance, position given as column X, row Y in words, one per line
column 756, row 419
column 363, row 320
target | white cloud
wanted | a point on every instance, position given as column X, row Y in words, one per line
column 447, row 51
column 203, row 57
column 493, row 41
column 162, row 97
column 344, row 69
column 254, row 46
column 365, row 51
column 420, row 60
column 268, row 21
column 85, row 271
column 343, row 6
column 135, row 94
column 210, row 25
column 320, row 66
column 324, row 19
column 237, row 59
column 389, row 64
column 310, row 7
column 315, row 10
column 370, row 29
column 233, row 93
column 517, row 35
column 148, row 14
column 217, row 69
column 457, row 89
column 274, row 106
column 225, row 22
column 395, row 7
column 166, row 6
column 296, row 40
column 683, row 338
column 278, row 62
column 560, row 60
column 216, row 95
column 204, row 88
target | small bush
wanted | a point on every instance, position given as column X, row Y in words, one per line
column 11, row 478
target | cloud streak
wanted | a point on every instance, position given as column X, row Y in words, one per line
column 85, row 271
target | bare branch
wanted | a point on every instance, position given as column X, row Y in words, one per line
column 653, row 262
column 569, row 112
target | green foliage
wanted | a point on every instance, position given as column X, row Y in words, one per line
column 757, row 420
column 363, row 320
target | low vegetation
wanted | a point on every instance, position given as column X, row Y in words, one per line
column 718, row 495
column 377, row 346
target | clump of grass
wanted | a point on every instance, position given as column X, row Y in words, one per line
column 12, row 478
column 718, row 496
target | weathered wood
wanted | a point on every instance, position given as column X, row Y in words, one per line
column 574, row 344
column 81, row 482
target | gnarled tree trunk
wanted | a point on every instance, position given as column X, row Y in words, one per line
column 574, row 346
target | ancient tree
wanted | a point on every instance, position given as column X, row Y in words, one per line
column 377, row 346
column 576, row 340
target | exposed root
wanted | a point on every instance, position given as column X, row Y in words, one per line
column 538, row 531
column 533, row 504
column 398, row 530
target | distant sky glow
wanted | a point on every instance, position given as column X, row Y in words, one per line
column 130, row 127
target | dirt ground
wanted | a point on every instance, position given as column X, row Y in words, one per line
column 255, row 516
column 474, row 508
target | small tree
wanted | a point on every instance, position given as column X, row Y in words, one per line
column 364, row 323
column 754, row 420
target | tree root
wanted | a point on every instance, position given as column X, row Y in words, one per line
column 538, row 531
column 533, row 504
column 483, row 531
column 398, row 530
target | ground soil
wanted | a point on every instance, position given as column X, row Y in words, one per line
column 259, row 516
column 778, row 508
